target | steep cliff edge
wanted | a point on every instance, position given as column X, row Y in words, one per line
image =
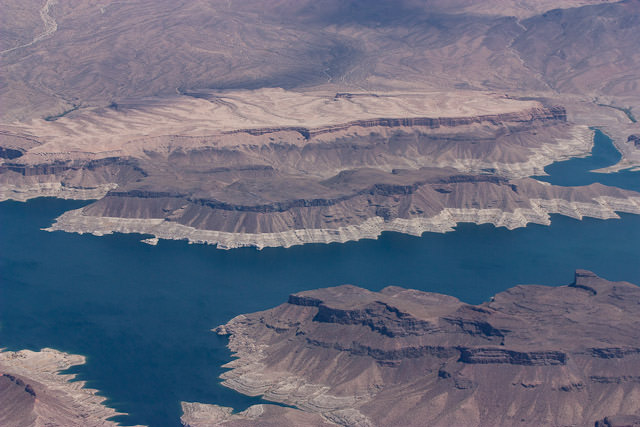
column 533, row 355
column 274, row 211
column 347, row 174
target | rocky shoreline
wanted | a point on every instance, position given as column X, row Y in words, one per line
column 22, row 193
column 76, row 221
column 338, row 181
column 533, row 355
column 204, row 415
column 34, row 392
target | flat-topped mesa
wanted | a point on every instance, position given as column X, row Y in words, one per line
column 232, row 165
column 33, row 392
column 331, row 181
column 377, row 189
column 588, row 281
column 531, row 354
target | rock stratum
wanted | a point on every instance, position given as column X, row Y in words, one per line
column 33, row 392
column 283, row 122
column 437, row 202
column 533, row 355
column 281, row 186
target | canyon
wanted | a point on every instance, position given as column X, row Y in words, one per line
column 226, row 144
column 276, row 123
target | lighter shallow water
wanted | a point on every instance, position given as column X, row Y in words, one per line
column 142, row 315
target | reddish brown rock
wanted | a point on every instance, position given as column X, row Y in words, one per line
column 533, row 355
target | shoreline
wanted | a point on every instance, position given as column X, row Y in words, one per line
column 56, row 398
column 53, row 189
column 397, row 343
column 539, row 213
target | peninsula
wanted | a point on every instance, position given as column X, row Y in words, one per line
column 533, row 355
column 276, row 124
column 33, row 392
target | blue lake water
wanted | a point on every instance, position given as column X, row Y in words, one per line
column 142, row 315
column 578, row 171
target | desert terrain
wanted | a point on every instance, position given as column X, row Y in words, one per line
column 232, row 116
column 247, row 108
column 276, row 123
column 533, row 355
column 34, row 392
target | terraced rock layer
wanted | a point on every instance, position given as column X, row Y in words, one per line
column 280, row 186
column 533, row 355
column 407, row 202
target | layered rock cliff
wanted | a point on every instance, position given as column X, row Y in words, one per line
column 533, row 355
column 535, row 115
column 351, row 206
column 284, row 185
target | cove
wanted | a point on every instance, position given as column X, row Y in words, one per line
column 142, row 315
column 578, row 171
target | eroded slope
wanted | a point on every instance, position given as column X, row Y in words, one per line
column 533, row 355
column 33, row 392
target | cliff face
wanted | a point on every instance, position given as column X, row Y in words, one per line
column 400, row 196
column 280, row 212
column 77, row 179
column 530, row 117
column 287, row 185
column 534, row 355
column 506, row 143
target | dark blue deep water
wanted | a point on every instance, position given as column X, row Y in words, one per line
column 142, row 315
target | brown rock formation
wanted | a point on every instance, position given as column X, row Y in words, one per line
column 33, row 393
column 534, row 355
column 371, row 194
column 555, row 113
column 334, row 182
column 276, row 211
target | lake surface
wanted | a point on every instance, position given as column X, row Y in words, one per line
column 577, row 171
column 142, row 314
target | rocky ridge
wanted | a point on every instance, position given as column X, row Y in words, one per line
column 436, row 205
column 533, row 355
column 286, row 185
